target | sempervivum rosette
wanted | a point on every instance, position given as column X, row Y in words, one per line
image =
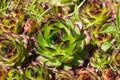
column 57, row 41
column 12, row 49
column 64, row 75
column 95, row 12
column 116, row 60
column 99, row 38
column 100, row 60
column 36, row 71
column 87, row 74
column 7, row 24
column 12, row 22
column 15, row 74
column 3, row 72
column 108, row 74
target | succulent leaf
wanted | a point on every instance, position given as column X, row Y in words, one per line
column 64, row 75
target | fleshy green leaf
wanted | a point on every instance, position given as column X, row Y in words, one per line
column 106, row 45
column 108, row 28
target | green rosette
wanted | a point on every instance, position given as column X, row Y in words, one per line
column 12, row 49
column 100, row 60
column 15, row 74
column 115, row 63
column 57, row 41
column 95, row 13
column 36, row 71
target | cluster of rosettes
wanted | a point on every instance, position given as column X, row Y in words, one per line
column 34, row 71
column 15, row 30
column 32, row 49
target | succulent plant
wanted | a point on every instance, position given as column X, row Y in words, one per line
column 57, row 41
column 99, row 38
column 113, row 28
column 30, row 25
column 87, row 74
column 12, row 49
column 13, row 17
column 7, row 25
column 12, row 22
column 18, row 15
column 100, row 60
column 116, row 60
column 36, row 71
column 15, row 74
column 3, row 72
column 108, row 74
column 64, row 75
column 95, row 13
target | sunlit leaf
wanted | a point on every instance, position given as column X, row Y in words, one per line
column 106, row 45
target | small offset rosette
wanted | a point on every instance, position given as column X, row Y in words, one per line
column 12, row 49
column 100, row 60
column 15, row 74
column 99, row 38
column 12, row 22
column 116, row 60
column 36, row 71
column 87, row 74
column 108, row 74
